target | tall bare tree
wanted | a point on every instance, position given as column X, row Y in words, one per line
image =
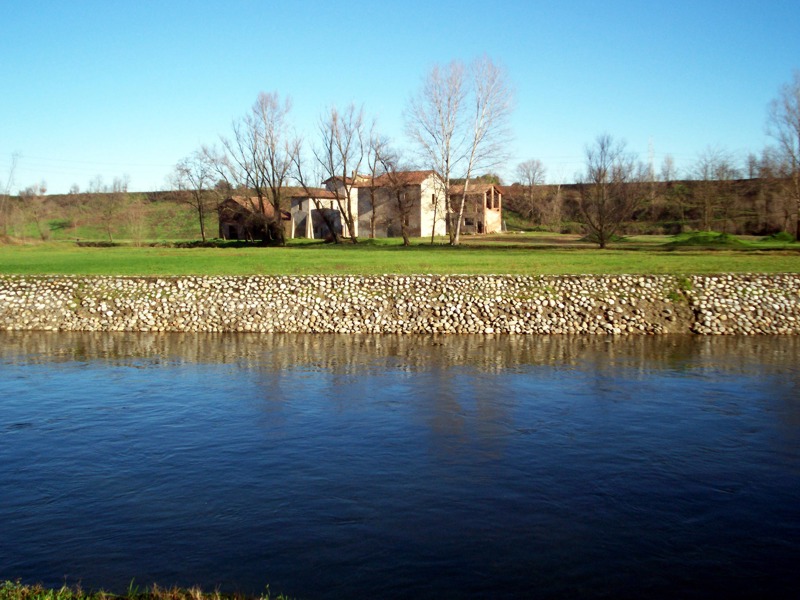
column 608, row 191
column 458, row 121
column 259, row 159
column 783, row 124
column 434, row 122
column 344, row 140
column 194, row 179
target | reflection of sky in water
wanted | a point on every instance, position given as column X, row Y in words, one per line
column 401, row 466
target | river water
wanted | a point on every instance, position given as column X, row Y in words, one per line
column 400, row 467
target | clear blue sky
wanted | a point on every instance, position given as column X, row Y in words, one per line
column 116, row 87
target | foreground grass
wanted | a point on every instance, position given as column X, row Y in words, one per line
column 10, row 590
column 305, row 258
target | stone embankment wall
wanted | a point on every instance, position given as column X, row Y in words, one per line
column 620, row 304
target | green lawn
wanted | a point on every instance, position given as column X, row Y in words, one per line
column 529, row 255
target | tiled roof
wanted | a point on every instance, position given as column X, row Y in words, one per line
column 320, row 193
column 250, row 203
column 475, row 188
column 400, row 177
column 358, row 179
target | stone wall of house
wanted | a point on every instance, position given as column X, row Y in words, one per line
column 618, row 304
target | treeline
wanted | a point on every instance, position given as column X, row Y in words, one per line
column 756, row 206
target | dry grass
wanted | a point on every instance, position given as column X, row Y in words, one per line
column 11, row 590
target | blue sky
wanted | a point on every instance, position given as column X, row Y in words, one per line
column 117, row 87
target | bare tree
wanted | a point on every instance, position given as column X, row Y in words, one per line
column 304, row 176
column 458, row 121
column 608, row 192
column 136, row 218
column 783, row 124
column 668, row 170
column 434, row 122
column 77, row 208
column 779, row 207
column 402, row 195
column 34, row 206
column 377, row 154
column 715, row 193
column 109, row 201
column 194, row 179
column 259, row 158
column 531, row 176
column 5, row 196
column 342, row 151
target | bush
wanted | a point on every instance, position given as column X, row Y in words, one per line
column 781, row 236
column 570, row 227
column 59, row 224
column 706, row 239
column 613, row 238
column 97, row 244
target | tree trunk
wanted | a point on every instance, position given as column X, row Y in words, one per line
column 797, row 226
column 201, row 217
column 456, row 239
column 433, row 229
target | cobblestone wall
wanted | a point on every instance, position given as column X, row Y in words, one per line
column 623, row 304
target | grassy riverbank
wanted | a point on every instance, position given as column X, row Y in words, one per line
column 509, row 254
column 10, row 590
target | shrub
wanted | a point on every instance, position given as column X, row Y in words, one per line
column 708, row 239
column 781, row 236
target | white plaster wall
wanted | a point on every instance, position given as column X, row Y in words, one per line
column 432, row 221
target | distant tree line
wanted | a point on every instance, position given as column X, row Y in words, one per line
column 618, row 196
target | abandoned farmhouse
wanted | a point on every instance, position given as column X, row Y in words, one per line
column 382, row 206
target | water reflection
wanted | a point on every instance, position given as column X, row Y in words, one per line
column 352, row 354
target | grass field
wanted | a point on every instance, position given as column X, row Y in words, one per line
column 529, row 254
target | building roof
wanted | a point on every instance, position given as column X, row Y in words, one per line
column 355, row 180
column 475, row 188
column 400, row 177
column 250, row 204
column 300, row 192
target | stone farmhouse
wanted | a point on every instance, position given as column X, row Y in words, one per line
column 244, row 217
column 387, row 202
column 483, row 207
column 412, row 198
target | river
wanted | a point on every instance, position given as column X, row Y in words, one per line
column 402, row 466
